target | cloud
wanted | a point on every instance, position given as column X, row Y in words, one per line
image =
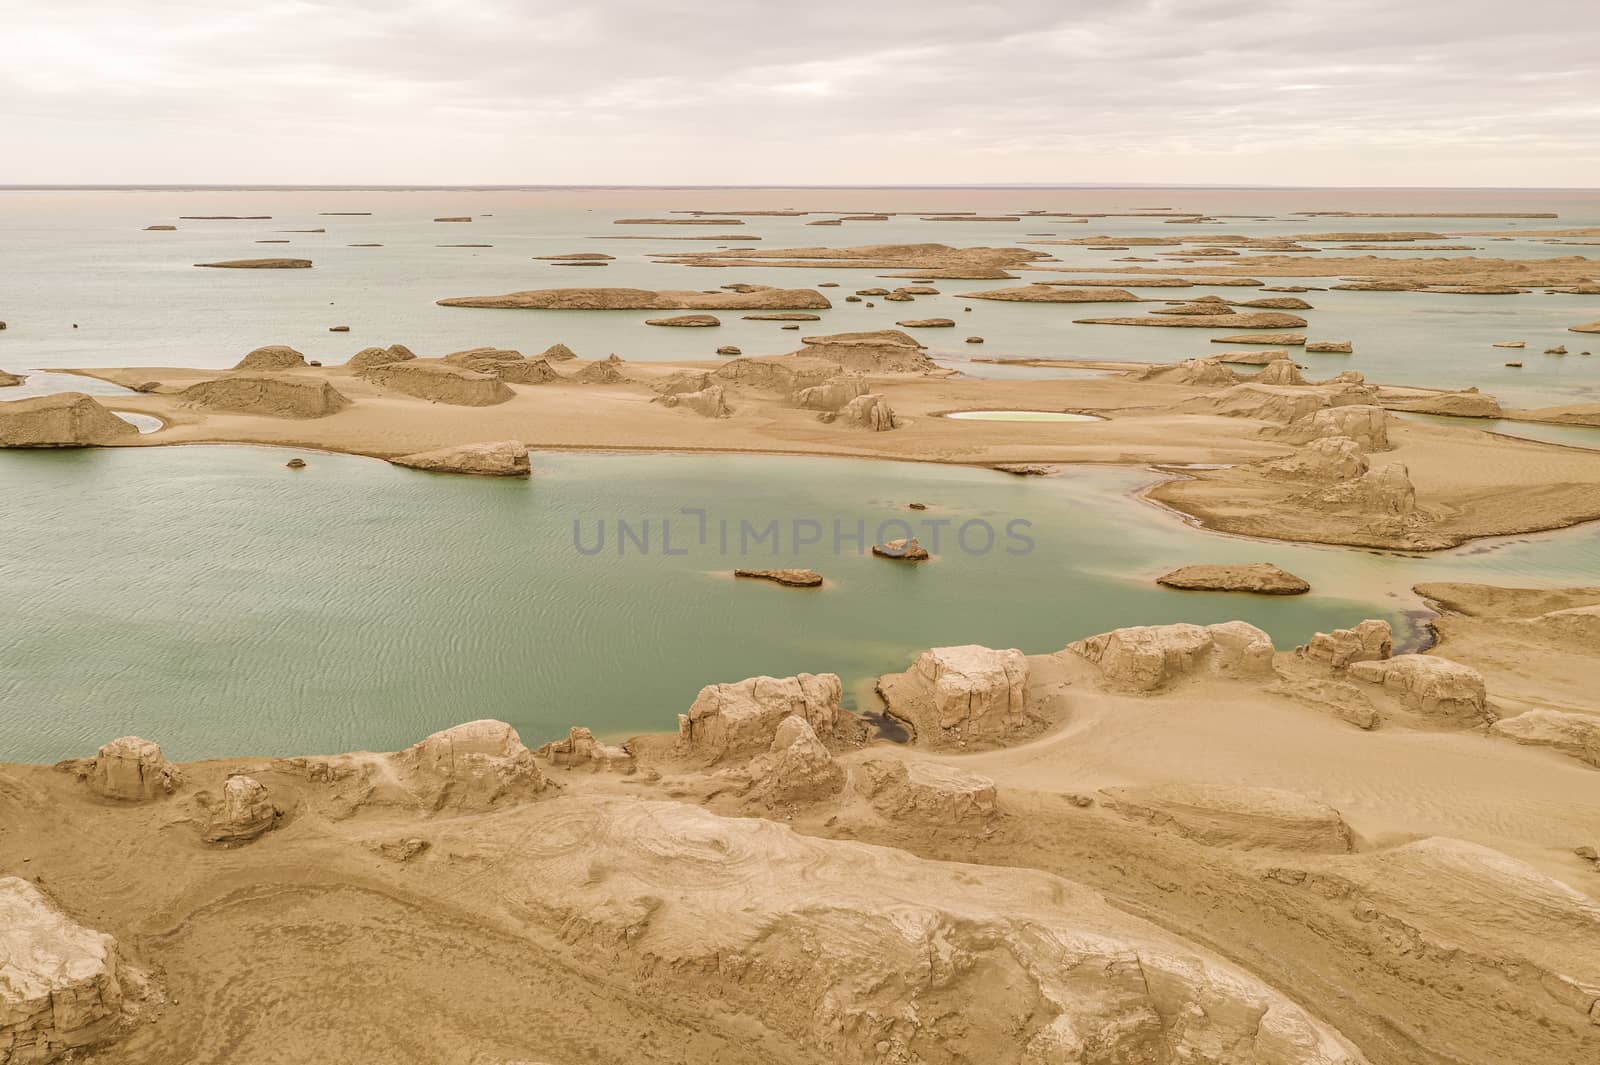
column 624, row 91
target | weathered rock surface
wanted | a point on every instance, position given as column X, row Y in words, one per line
column 744, row 716
column 870, row 411
column 785, row 374
column 971, row 690
column 831, row 395
column 367, row 358
column 638, row 299
column 274, row 395
column 879, row 351
column 440, row 382
column 478, row 764
column 260, row 264
column 802, row 770
column 793, row 578
column 507, row 365
column 1235, row 816
column 1053, row 294
column 1367, row 425
column 709, row 402
column 271, row 357
column 1276, row 340
column 1574, row 734
column 580, row 748
column 926, row 323
column 1326, row 460
column 680, row 381
column 1432, row 686
column 244, row 812
column 1370, row 641
column 1150, row 657
column 1269, row 403
column 1236, row 320
column 1384, row 496
column 1330, row 347
column 503, row 458
column 1262, row 578
column 606, row 371
column 1468, row 403
column 1203, row 372
column 558, row 353
column 131, row 769
column 904, row 549
column 8, row 380
column 59, row 983
column 1280, row 372
column 65, row 419
column 687, row 321
column 929, row 792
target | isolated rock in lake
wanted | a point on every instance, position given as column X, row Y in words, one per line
column 245, row 812
column 1149, row 657
column 687, row 321
column 65, row 419
column 367, row 358
column 1330, row 347
column 60, row 990
column 639, row 299
column 1588, row 327
column 131, row 769
column 903, row 549
column 1276, row 340
column 271, row 357
column 505, row 458
column 1249, row 320
column 1432, row 686
column 471, row 766
column 270, row 394
column 159, row 229
column 1233, row 815
column 709, row 402
column 1262, row 578
column 744, row 716
column 1053, row 294
column 1468, row 403
column 927, row 323
column 869, row 411
column 440, row 382
column 1370, row 641
column 792, row 578
column 260, row 264
column 927, row 792
column 1574, row 734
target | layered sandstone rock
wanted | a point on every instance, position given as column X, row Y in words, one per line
column 1432, row 686
column 870, row 411
column 687, row 321
column 709, row 402
column 66, row 419
column 1280, row 372
column 879, row 351
column 273, row 395
column 1384, row 496
column 131, row 769
column 1268, row 403
column 558, row 353
column 1235, row 816
column 790, row 578
column 244, row 812
column 831, row 395
column 367, row 358
column 271, row 357
column 1468, row 403
column 1370, row 641
column 1150, row 657
column 680, row 381
column 478, row 764
column 1326, row 460
column 60, row 990
column 928, row 792
column 440, row 382
column 505, row 364
column 638, row 299
column 606, row 371
column 260, row 264
column 580, row 748
column 1203, row 372
column 802, row 770
column 1367, row 425
column 744, row 716
column 504, row 458
column 1261, row 578
column 1574, row 734
column 978, row 690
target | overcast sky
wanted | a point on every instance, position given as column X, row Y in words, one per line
column 1423, row 92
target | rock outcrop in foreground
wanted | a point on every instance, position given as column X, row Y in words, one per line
column 1235, row 816
column 275, row 395
column 1150, row 657
column 744, row 716
column 59, row 987
column 967, row 692
column 504, row 458
column 131, row 769
column 66, row 419
column 470, row 766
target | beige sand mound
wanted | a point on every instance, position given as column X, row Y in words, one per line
column 260, row 264
column 638, row 299
column 505, row 364
column 881, row 350
column 784, row 374
column 558, row 353
column 274, row 395
column 1053, row 294
column 505, row 458
column 66, row 419
column 1261, row 578
column 1254, row 320
column 1587, row 327
column 1221, row 815
column 440, row 382
column 271, row 357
